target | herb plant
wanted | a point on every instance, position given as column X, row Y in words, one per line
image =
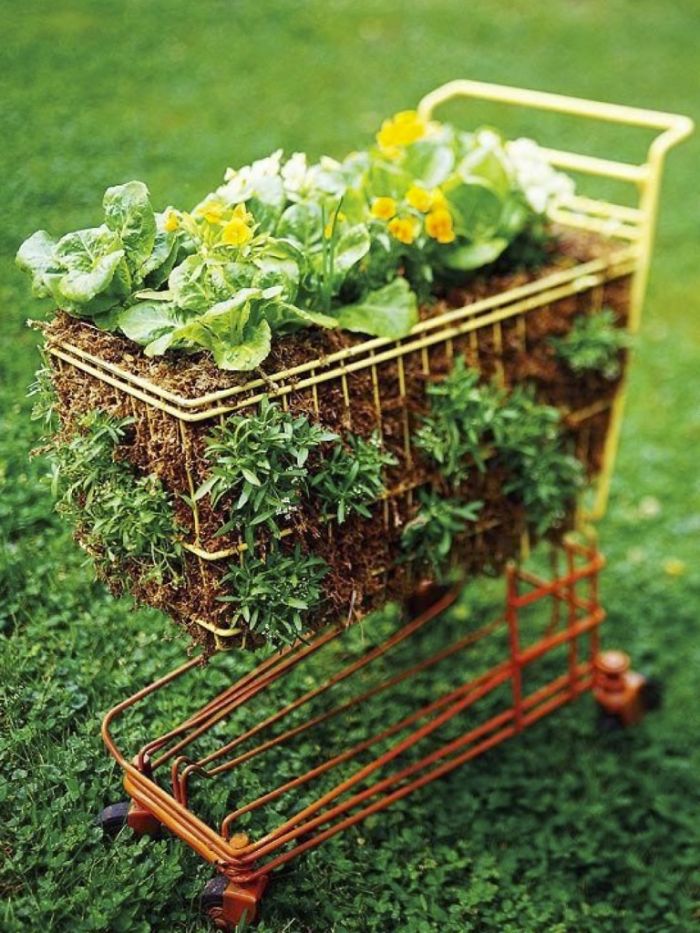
column 541, row 473
column 593, row 344
column 468, row 418
column 461, row 420
column 350, row 479
column 118, row 515
column 283, row 245
column 428, row 537
column 270, row 595
column 259, row 466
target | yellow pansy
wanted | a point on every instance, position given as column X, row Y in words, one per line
column 210, row 211
column 403, row 229
column 400, row 130
column 383, row 208
column 171, row 221
column 419, row 198
column 438, row 199
column 237, row 232
column 438, row 225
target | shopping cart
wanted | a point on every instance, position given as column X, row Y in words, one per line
column 540, row 652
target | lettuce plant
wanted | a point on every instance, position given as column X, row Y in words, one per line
column 283, row 245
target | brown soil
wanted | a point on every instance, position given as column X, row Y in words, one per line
column 361, row 553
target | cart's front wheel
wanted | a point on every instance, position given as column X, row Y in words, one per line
column 114, row 818
column 211, row 902
column 227, row 903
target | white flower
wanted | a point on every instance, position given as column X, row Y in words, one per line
column 294, row 172
column 242, row 182
column 539, row 182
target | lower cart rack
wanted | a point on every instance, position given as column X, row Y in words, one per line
column 498, row 678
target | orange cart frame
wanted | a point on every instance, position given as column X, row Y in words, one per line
column 244, row 863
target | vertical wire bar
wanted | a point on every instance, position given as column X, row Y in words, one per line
column 594, row 607
column 404, row 409
column 514, row 644
column 474, row 346
column 190, row 482
column 500, row 373
column 571, row 619
column 346, row 395
column 555, row 616
column 377, row 397
column 314, row 394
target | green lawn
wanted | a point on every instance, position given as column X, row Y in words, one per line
column 562, row 830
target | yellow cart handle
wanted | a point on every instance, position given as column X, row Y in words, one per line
column 674, row 126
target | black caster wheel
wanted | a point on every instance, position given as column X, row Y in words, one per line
column 652, row 694
column 211, row 902
column 607, row 723
column 113, row 818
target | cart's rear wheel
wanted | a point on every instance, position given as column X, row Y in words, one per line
column 652, row 694
column 608, row 722
column 113, row 818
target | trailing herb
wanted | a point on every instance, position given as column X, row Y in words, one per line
column 467, row 419
column 283, row 245
column 43, row 394
column 271, row 595
column 541, row 474
column 259, row 467
column 463, row 412
column 118, row 515
column 427, row 538
column 350, row 478
column 593, row 344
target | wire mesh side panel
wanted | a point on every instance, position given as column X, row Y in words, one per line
column 382, row 394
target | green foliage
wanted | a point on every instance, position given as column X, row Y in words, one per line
column 469, row 419
column 461, row 421
column 259, row 466
column 593, row 344
column 270, row 250
column 92, row 271
column 560, row 829
column 428, row 537
column 541, row 474
column 273, row 594
column 43, row 395
column 350, row 478
column 118, row 515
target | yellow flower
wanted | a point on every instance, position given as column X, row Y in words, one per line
column 383, row 208
column 403, row 229
column 241, row 212
column 328, row 229
column 438, row 225
column 419, row 198
column 171, row 222
column 237, row 232
column 210, row 211
column 400, row 130
column 438, row 199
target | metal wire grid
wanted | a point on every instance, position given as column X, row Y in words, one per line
column 574, row 619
